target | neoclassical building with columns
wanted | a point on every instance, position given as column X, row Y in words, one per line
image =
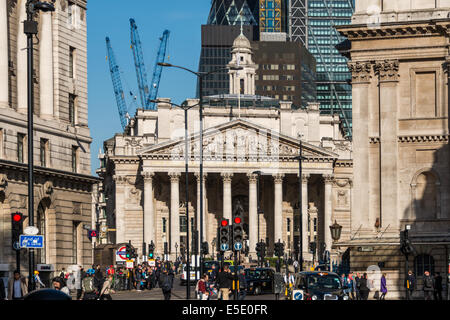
column 143, row 170
column 63, row 180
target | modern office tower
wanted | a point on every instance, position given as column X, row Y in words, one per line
column 230, row 12
column 334, row 93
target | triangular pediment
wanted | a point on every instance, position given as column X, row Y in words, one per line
column 238, row 139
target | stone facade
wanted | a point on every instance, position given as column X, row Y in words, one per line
column 63, row 180
column 400, row 76
column 143, row 171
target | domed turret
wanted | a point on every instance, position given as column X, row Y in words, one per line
column 241, row 42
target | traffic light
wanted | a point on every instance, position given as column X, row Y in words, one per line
column 194, row 247
column 224, row 235
column 258, row 249
column 151, row 249
column 238, row 229
column 279, row 249
column 128, row 251
column 16, row 228
column 405, row 244
column 166, row 248
column 205, row 249
column 263, row 249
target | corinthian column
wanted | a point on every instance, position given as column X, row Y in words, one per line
column 21, row 64
column 46, row 66
column 253, row 213
column 278, row 207
column 149, row 214
column 174, row 210
column 304, row 221
column 4, row 70
column 120, row 182
column 328, row 179
column 227, row 205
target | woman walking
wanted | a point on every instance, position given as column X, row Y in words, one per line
column 363, row 287
column 383, row 288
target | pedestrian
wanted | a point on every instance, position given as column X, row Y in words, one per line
column 224, row 280
column 383, row 287
column 98, row 278
column 17, row 286
column 106, row 291
column 88, row 287
column 364, row 287
column 437, row 287
column 213, row 273
column 351, row 284
column 428, row 286
column 77, row 284
column 201, row 288
column 277, row 265
column 37, row 280
column 357, row 285
column 58, row 284
column 166, row 283
column 242, row 285
column 410, row 284
column 278, row 281
column 296, row 265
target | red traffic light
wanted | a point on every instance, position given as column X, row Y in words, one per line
column 237, row 220
column 93, row 233
column 224, row 223
column 17, row 217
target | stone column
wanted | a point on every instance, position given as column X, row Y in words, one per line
column 227, row 199
column 278, row 207
column 174, row 210
column 328, row 204
column 21, row 64
column 361, row 77
column 121, row 182
column 253, row 213
column 205, row 214
column 387, row 72
column 4, row 68
column 149, row 213
column 46, row 66
column 305, row 242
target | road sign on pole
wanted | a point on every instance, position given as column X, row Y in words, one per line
column 35, row 242
column 238, row 246
column 224, row 247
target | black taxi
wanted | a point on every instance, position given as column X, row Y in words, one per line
column 259, row 280
column 320, row 285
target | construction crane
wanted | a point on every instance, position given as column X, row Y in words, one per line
column 147, row 94
column 157, row 71
column 117, row 84
column 138, row 55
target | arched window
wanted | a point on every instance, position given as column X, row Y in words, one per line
column 40, row 254
column 422, row 263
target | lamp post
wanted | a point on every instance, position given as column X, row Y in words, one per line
column 257, row 201
column 200, row 76
column 30, row 28
column 336, row 230
column 300, row 205
column 176, row 252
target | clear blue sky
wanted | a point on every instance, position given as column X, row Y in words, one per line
column 111, row 18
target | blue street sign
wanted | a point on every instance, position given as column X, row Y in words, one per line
column 35, row 242
column 238, row 246
column 224, row 246
column 298, row 296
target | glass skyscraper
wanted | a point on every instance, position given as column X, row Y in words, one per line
column 334, row 92
column 229, row 12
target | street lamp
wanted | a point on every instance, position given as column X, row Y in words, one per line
column 200, row 76
column 336, row 230
column 30, row 28
column 300, row 203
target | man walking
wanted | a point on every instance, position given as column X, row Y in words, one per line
column 428, row 286
column 224, row 279
column 166, row 283
column 437, row 287
column 88, row 287
column 357, row 285
column 278, row 281
column 296, row 266
column 106, row 291
column 410, row 283
column 242, row 285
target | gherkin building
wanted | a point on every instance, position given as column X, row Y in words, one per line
column 229, row 12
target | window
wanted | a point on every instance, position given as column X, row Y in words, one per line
column 71, row 62
column 44, row 152
column 422, row 263
column 41, row 253
column 71, row 14
column 288, row 223
column 164, row 225
column 20, row 147
column 183, row 224
column 75, row 242
column 74, row 159
column 72, row 108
